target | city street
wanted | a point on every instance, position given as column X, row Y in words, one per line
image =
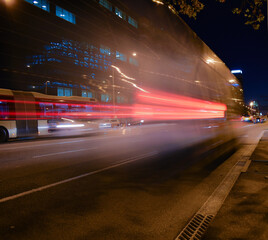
column 116, row 185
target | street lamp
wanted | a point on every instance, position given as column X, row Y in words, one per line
column 251, row 105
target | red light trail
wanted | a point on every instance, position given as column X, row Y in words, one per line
column 150, row 106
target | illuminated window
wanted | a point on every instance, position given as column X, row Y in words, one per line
column 43, row 4
column 67, row 92
column 87, row 94
column 64, row 14
column 106, row 4
column 105, row 98
column 105, row 50
column 120, row 13
column 120, row 99
column 133, row 22
column 121, row 56
column 133, row 61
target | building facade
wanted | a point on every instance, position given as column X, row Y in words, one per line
column 67, row 48
column 108, row 50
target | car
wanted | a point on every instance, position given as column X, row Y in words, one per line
column 109, row 123
column 247, row 118
column 258, row 119
column 253, row 118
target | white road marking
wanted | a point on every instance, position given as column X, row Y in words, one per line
column 39, row 145
column 252, row 125
column 29, row 145
column 57, row 153
column 126, row 161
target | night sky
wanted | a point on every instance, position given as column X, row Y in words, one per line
column 238, row 45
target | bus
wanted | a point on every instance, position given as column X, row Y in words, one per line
column 24, row 114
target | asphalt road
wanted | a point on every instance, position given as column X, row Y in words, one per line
column 117, row 185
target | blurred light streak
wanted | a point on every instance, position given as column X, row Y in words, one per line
column 158, row 2
column 133, row 84
column 164, row 99
column 125, row 76
column 149, row 106
column 70, row 126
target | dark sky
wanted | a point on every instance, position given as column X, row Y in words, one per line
column 238, row 45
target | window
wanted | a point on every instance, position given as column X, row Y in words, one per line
column 64, row 14
column 120, row 99
column 4, row 110
column 105, row 98
column 66, row 92
column 106, row 4
column 87, row 94
column 133, row 61
column 133, row 22
column 105, row 50
column 120, row 13
column 121, row 56
column 43, row 4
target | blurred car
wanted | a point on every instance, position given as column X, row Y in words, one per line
column 247, row 118
column 258, row 119
column 109, row 123
column 70, row 125
column 253, row 118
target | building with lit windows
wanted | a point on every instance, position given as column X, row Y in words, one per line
column 109, row 50
column 67, row 48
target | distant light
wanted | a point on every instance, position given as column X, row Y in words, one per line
column 35, row 2
column 33, row 86
column 9, row 2
column 158, row 2
column 134, row 54
column 142, row 121
column 28, row 66
column 44, row 6
column 236, row 71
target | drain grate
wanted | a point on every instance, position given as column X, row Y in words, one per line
column 195, row 228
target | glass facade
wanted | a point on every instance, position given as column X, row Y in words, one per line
column 66, row 15
column 106, row 4
column 43, row 4
column 81, row 54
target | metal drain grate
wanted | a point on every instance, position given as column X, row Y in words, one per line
column 195, row 228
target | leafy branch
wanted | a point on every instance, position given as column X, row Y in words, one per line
column 252, row 10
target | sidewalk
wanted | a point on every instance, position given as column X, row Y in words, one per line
column 244, row 214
